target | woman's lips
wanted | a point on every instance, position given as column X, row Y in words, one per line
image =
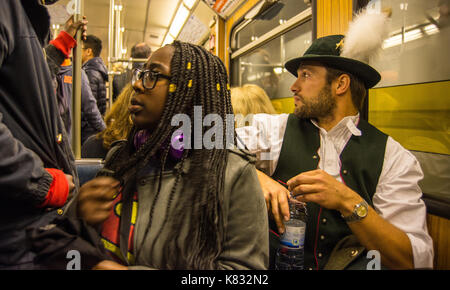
column 135, row 106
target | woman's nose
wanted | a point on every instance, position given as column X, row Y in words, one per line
column 137, row 86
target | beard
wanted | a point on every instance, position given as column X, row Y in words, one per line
column 321, row 107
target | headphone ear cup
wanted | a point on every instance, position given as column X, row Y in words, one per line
column 176, row 147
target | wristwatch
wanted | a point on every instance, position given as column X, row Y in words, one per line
column 359, row 212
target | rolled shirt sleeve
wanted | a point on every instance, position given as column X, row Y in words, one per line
column 398, row 199
column 264, row 138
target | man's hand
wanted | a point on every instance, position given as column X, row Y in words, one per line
column 319, row 187
column 71, row 28
column 96, row 199
column 109, row 265
column 277, row 199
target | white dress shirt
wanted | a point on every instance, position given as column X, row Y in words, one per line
column 397, row 198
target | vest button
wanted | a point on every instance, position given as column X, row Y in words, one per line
column 354, row 253
column 324, row 220
column 59, row 211
column 322, row 237
column 314, row 157
column 310, row 269
column 319, row 255
column 344, row 171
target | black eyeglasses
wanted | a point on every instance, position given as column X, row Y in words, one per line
column 149, row 78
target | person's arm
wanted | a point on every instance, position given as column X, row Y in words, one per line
column 277, row 199
column 399, row 215
column 373, row 232
column 24, row 178
column 264, row 138
column 89, row 105
column 59, row 48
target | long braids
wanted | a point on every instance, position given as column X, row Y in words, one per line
column 198, row 79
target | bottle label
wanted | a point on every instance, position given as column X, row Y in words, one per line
column 293, row 237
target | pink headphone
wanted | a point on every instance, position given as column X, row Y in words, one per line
column 176, row 153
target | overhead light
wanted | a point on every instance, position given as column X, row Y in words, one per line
column 431, row 29
column 189, row 3
column 278, row 70
column 413, row 35
column 179, row 20
column 168, row 40
column 392, row 41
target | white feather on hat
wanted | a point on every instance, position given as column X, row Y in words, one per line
column 365, row 36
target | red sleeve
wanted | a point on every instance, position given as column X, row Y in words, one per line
column 59, row 189
column 64, row 42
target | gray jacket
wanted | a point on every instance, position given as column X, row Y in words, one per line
column 246, row 243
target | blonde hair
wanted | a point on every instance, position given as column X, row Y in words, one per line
column 251, row 99
column 117, row 120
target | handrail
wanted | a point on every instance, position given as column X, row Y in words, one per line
column 302, row 17
column 76, row 84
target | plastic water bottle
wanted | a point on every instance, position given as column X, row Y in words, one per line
column 290, row 254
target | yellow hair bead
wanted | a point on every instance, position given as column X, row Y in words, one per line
column 218, row 87
column 189, row 65
column 228, row 86
column 190, row 83
column 172, row 88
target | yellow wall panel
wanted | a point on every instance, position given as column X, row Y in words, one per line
column 417, row 116
column 284, row 105
column 333, row 16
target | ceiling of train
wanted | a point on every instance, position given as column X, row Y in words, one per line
column 143, row 20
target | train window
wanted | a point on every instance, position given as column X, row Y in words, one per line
column 263, row 46
column 264, row 65
column 417, row 49
column 411, row 102
column 258, row 27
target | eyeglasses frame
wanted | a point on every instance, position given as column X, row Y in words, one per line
column 142, row 74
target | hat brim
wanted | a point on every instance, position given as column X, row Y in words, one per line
column 367, row 74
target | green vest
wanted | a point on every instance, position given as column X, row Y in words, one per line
column 362, row 162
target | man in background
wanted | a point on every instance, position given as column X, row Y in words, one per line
column 97, row 74
column 139, row 50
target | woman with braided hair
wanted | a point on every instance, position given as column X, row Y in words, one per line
column 164, row 208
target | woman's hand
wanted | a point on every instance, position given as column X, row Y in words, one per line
column 109, row 265
column 96, row 199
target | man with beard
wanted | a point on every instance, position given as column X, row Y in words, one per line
column 360, row 186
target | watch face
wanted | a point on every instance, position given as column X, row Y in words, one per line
column 361, row 211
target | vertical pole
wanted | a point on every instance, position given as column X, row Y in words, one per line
column 117, row 39
column 111, row 53
column 76, row 85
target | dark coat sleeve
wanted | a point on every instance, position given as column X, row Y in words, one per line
column 54, row 59
column 23, row 177
column 89, row 105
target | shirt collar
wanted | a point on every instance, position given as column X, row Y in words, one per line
column 349, row 122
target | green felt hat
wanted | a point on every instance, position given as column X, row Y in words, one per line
column 327, row 50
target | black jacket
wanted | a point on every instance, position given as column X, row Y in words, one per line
column 90, row 116
column 32, row 135
column 98, row 75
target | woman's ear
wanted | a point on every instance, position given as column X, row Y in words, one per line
column 342, row 84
